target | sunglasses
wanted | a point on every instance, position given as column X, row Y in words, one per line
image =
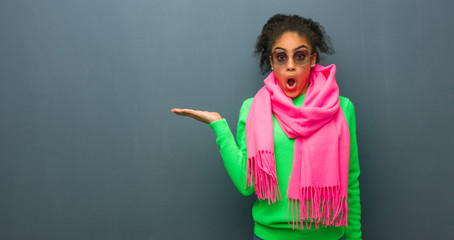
column 300, row 57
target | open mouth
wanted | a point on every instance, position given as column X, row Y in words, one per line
column 291, row 82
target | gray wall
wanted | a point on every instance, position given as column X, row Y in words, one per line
column 90, row 150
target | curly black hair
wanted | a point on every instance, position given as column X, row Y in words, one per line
column 278, row 24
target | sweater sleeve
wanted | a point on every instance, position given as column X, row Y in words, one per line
column 233, row 155
column 353, row 231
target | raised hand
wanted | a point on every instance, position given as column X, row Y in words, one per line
column 202, row 116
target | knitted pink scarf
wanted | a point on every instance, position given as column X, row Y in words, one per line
column 319, row 180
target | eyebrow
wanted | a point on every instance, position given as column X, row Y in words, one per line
column 302, row 46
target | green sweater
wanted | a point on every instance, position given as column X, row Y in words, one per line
column 271, row 220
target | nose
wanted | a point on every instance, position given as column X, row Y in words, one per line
column 290, row 65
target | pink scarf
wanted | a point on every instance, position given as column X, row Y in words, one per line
column 319, row 180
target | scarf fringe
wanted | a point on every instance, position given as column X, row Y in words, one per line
column 261, row 174
column 320, row 205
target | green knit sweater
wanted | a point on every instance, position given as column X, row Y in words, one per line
column 271, row 220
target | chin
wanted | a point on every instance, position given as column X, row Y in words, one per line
column 292, row 95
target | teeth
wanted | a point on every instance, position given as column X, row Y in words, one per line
column 291, row 82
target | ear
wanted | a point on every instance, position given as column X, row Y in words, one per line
column 313, row 59
column 271, row 63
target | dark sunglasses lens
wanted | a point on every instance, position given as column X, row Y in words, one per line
column 279, row 58
column 301, row 57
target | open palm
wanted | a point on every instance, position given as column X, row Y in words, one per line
column 202, row 116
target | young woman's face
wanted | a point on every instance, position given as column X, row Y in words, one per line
column 291, row 62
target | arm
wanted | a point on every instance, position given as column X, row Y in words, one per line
column 233, row 155
column 353, row 231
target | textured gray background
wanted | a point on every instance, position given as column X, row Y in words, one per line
column 90, row 150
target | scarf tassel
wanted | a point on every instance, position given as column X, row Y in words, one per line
column 261, row 174
column 320, row 205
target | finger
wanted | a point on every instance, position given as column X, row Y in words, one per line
column 182, row 110
column 190, row 113
column 176, row 110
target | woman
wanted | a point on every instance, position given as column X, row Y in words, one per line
column 296, row 140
